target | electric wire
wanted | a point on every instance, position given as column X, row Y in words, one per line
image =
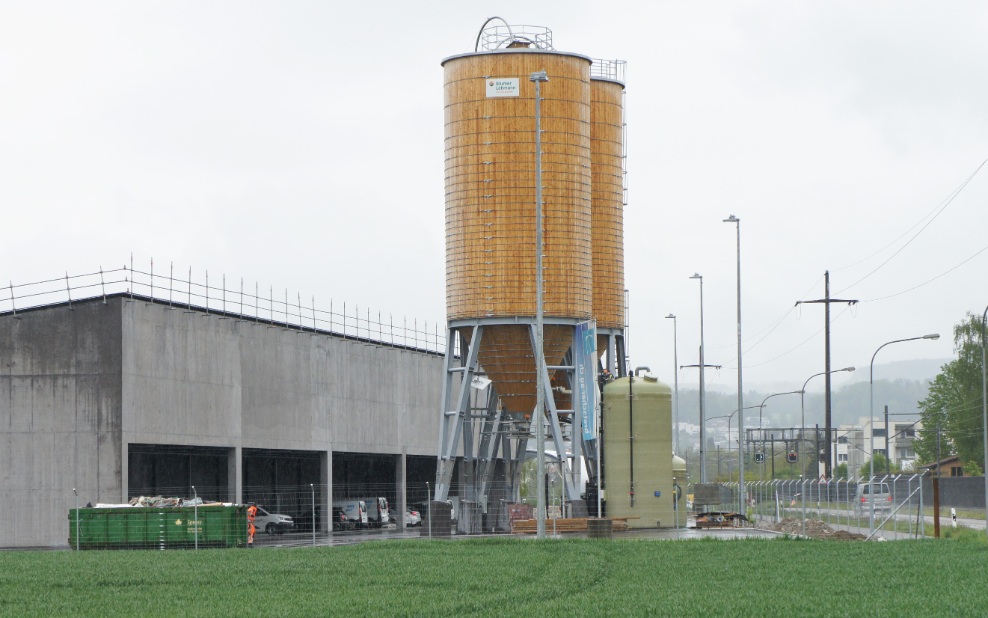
column 937, row 212
column 928, row 281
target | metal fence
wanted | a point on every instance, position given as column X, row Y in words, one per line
column 251, row 303
column 902, row 512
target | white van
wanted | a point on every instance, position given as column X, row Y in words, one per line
column 354, row 511
column 881, row 498
column 378, row 513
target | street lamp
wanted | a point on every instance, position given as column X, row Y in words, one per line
column 760, row 408
column 703, row 462
column 538, row 77
column 871, row 409
column 728, row 417
column 802, row 398
column 675, row 367
column 802, row 429
column 984, row 406
column 741, row 501
column 740, row 429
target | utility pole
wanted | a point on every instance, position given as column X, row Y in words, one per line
column 888, row 445
column 825, row 301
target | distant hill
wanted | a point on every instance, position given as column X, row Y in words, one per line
column 920, row 370
column 923, row 369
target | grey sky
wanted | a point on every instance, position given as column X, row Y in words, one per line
column 300, row 145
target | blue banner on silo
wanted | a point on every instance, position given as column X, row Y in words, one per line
column 586, row 372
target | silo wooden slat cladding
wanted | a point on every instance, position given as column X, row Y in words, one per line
column 607, row 166
column 490, row 190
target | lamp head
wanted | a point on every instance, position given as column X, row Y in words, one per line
column 671, row 316
column 696, row 276
column 731, row 219
column 846, row 369
column 933, row 336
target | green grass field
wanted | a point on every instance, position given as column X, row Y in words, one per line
column 781, row 577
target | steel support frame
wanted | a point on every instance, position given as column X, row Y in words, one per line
column 501, row 438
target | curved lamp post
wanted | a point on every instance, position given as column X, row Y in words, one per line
column 871, row 409
column 984, row 406
column 802, row 428
column 762, row 405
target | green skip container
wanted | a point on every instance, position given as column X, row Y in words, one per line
column 174, row 527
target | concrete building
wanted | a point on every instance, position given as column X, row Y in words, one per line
column 118, row 396
column 853, row 444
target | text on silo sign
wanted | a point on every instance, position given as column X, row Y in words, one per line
column 502, row 87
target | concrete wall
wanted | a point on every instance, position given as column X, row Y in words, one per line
column 78, row 386
column 189, row 378
column 59, row 417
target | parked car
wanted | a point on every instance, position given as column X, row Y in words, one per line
column 354, row 512
column 412, row 517
column 881, row 498
column 273, row 523
column 340, row 520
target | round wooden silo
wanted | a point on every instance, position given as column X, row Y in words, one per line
column 607, row 201
column 490, row 186
column 490, row 207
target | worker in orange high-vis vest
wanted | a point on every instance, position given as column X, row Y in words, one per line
column 251, row 529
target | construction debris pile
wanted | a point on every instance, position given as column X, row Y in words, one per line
column 815, row 529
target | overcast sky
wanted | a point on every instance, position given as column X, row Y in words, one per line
column 300, row 145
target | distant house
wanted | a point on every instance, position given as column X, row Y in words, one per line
column 950, row 466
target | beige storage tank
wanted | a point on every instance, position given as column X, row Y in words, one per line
column 637, row 443
column 607, row 202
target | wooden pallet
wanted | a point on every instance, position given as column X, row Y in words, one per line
column 577, row 524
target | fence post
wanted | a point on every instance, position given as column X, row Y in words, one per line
column 76, row 519
column 313, row 488
column 195, row 512
column 922, row 513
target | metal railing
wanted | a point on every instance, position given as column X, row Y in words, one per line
column 609, row 69
column 342, row 319
column 497, row 36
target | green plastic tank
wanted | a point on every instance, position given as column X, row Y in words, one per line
column 637, row 444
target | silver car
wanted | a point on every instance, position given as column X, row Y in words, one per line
column 881, row 498
column 273, row 523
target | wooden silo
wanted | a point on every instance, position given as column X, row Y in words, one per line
column 607, row 202
column 490, row 207
column 490, row 378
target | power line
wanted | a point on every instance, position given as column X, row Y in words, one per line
column 938, row 211
column 928, row 281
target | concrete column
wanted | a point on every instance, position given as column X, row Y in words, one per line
column 124, row 471
column 326, row 497
column 235, row 475
column 401, row 487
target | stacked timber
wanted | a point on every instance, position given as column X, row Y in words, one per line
column 575, row 524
